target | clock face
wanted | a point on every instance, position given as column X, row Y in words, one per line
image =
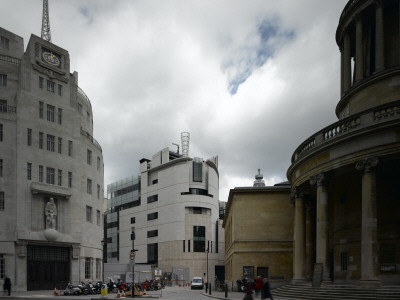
column 51, row 58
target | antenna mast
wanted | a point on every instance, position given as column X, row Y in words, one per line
column 46, row 35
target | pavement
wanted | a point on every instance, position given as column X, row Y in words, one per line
column 154, row 294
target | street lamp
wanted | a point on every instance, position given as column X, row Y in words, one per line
column 132, row 258
column 102, row 246
column 207, row 264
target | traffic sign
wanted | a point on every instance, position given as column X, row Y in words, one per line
column 132, row 255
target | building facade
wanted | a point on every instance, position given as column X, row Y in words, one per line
column 345, row 177
column 175, row 222
column 259, row 233
column 51, row 169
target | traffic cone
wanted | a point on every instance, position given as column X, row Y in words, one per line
column 123, row 294
column 118, row 294
column 55, row 291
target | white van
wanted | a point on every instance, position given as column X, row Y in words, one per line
column 197, row 283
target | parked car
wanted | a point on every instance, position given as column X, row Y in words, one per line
column 197, row 283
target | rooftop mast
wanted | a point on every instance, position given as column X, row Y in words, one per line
column 46, row 35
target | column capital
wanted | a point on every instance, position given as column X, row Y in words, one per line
column 298, row 192
column 378, row 3
column 318, row 179
column 367, row 164
column 357, row 16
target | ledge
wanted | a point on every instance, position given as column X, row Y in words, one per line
column 48, row 189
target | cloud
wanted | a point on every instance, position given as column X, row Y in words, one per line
column 250, row 80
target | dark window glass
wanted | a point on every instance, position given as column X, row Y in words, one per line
column 199, row 238
column 152, row 253
column 197, row 171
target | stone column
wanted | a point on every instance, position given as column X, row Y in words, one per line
column 309, row 239
column 359, row 61
column 346, row 63
column 322, row 223
column 379, row 38
column 369, row 257
column 299, row 238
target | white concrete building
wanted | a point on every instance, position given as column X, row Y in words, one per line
column 177, row 219
column 47, row 150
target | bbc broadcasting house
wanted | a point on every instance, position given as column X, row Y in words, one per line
column 51, row 169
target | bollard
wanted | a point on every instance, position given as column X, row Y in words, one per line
column 226, row 291
column 209, row 289
column 206, row 287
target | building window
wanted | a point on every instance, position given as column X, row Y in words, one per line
column 2, row 200
column 98, row 217
column 98, row 163
column 40, row 173
column 3, row 105
column 50, row 112
column 188, row 245
column 343, row 261
column 98, row 191
column 79, row 107
column 3, row 80
column 89, row 186
column 50, row 86
column 1, row 132
column 152, row 216
column 60, row 177
column 88, row 269
column 197, row 171
column 152, row 253
column 2, row 266
column 98, row 268
column 199, row 238
column 88, row 214
column 50, row 175
column 153, row 198
column 197, row 210
column 41, row 140
column 59, row 145
column 29, row 171
column 60, row 116
column 29, row 136
column 152, row 233
column 40, row 82
column 88, row 116
column 60, row 90
column 41, row 108
column 184, row 244
column 89, row 157
column 5, row 44
column 69, row 148
column 50, row 142
column 1, row 168
column 133, row 220
column 69, row 179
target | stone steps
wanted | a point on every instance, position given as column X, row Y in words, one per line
column 334, row 292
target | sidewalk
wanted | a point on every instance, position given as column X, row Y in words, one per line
column 221, row 295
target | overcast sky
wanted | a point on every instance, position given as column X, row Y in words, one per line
column 250, row 80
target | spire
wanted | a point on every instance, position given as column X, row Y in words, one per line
column 46, row 35
column 259, row 180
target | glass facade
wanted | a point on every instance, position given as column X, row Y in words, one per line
column 121, row 195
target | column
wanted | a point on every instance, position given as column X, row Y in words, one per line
column 299, row 238
column 346, row 63
column 369, row 222
column 309, row 239
column 322, row 223
column 379, row 38
column 359, row 61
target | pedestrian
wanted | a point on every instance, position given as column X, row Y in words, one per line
column 258, row 286
column 249, row 291
column 266, row 292
column 7, row 285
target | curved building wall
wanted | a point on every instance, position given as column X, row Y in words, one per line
column 179, row 204
column 49, row 152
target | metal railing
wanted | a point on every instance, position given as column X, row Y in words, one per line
column 91, row 138
column 7, row 109
column 10, row 59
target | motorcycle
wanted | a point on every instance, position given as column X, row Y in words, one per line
column 72, row 290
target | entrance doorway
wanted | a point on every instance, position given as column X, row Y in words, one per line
column 47, row 267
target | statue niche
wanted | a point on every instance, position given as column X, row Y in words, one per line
column 50, row 212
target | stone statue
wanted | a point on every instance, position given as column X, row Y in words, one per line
column 50, row 212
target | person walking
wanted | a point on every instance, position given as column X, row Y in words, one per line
column 266, row 292
column 7, row 285
column 258, row 286
column 249, row 291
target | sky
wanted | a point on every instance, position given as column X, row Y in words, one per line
column 250, row 80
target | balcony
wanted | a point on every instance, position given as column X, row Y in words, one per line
column 366, row 120
column 92, row 139
column 4, row 108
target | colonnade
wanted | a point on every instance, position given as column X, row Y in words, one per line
column 303, row 230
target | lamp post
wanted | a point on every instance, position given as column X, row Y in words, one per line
column 207, row 265
column 132, row 258
column 102, row 268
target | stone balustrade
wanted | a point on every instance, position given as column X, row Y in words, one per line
column 360, row 121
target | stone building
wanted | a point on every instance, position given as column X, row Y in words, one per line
column 345, row 178
column 174, row 215
column 258, row 227
column 51, row 169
